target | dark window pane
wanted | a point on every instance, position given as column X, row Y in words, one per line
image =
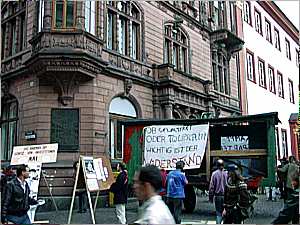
column 59, row 14
column 70, row 14
column 4, row 128
column 65, row 128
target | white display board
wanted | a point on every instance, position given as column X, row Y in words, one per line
column 34, row 154
column 235, row 143
column 165, row 145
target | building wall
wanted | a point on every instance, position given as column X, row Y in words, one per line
column 261, row 100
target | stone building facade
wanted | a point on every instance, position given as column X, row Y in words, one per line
column 72, row 70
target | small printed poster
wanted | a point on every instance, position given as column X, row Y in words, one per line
column 89, row 168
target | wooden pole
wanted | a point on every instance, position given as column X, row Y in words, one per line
column 49, row 191
column 96, row 200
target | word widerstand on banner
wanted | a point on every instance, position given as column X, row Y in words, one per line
column 165, row 145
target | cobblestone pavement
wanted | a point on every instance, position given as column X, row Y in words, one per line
column 265, row 211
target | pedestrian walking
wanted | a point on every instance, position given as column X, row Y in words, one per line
column 163, row 190
column 176, row 181
column 120, row 190
column 290, row 211
column 289, row 169
column 236, row 197
column 16, row 201
column 7, row 175
column 217, row 186
column 147, row 184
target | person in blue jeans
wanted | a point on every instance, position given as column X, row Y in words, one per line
column 176, row 181
column 217, row 186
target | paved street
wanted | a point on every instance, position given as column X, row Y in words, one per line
column 264, row 212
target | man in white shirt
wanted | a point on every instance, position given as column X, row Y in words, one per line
column 147, row 184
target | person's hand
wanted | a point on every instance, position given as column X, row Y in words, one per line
column 224, row 213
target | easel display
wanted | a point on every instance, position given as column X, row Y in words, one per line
column 92, row 175
column 34, row 156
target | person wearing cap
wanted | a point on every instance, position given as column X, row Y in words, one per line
column 236, row 197
column 147, row 184
column 217, row 186
column 176, row 181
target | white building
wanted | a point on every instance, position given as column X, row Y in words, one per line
column 271, row 54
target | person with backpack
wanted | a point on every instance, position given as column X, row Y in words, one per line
column 120, row 190
column 176, row 181
column 237, row 199
column 289, row 169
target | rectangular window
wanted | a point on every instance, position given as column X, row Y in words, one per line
column 90, row 17
column 65, row 129
column 268, row 31
column 284, row 142
column 3, row 40
column 134, row 40
column 271, row 77
column 262, row 73
column 291, row 91
column 233, row 17
column 64, row 13
column 277, row 143
column 167, row 52
column 14, row 38
column 247, row 12
column 257, row 17
column 250, row 66
column 175, row 56
column 280, row 85
column 183, row 59
column 277, row 39
column 22, row 32
column 110, row 30
column 122, row 35
column 41, row 15
column 287, row 49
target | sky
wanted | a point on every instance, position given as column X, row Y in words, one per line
column 290, row 9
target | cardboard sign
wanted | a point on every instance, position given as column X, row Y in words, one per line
column 34, row 154
column 235, row 143
column 105, row 175
column 165, row 145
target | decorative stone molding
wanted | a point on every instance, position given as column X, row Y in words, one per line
column 127, row 87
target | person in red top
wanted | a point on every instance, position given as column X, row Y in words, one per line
column 164, row 175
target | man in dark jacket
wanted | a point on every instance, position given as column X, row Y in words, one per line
column 290, row 211
column 16, row 200
column 120, row 190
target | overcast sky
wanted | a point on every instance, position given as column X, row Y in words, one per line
column 290, row 9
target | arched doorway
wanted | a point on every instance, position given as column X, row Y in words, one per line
column 119, row 109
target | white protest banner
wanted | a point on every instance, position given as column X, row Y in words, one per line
column 165, row 145
column 27, row 154
column 234, row 143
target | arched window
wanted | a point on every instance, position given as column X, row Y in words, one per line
column 220, row 71
column 90, row 17
column 176, row 48
column 8, row 126
column 119, row 109
column 123, row 28
column 64, row 14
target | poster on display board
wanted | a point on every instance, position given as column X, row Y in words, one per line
column 164, row 145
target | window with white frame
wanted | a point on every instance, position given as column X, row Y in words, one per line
column 90, row 17
column 247, row 12
column 119, row 109
column 284, row 142
column 261, row 73
column 123, row 28
column 277, row 143
column 218, row 13
column 280, row 85
column 41, row 12
column 258, row 26
column 287, row 49
column 176, row 48
column 277, row 39
column 250, row 66
column 271, row 77
column 291, row 91
column 268, row 31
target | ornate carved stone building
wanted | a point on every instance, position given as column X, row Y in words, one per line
column 71, row 70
